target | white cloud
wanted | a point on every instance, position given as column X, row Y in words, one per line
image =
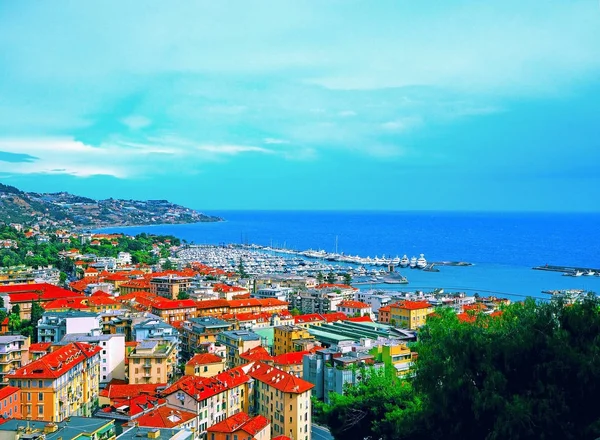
column 232, row 150
column 135, row 122
column 274, row 141
column 402, row 124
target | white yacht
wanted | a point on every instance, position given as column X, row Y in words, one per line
column 413, row 262
column 396, row 261
column 421, row 262
column 404, row 261
column 590, row 273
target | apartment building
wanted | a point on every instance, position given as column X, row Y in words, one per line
column 241, row 426
column 410, row 314
column 10, row 402
column 152, row 361
column 170, row 286
column 237, row 342
column 53, row 326
column 290, row 338
column 61, row 384
column 171, row 310
column 14, row 353
column 199, row 332
column 205, row 365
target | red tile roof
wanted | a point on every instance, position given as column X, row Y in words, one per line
column 125, row 391
column 256, row 354
column 212, row 304
column 354, row 305
column 365, row 318
column 135, row 404
column 171, row 304
column 58, row 362
column 8, row 391
column 39, row 347
column 201, row 388
column 411, row 305
column 281, row 437
column 310, row 317
column 226, row 288
column 165, row 417
column 335, row 316
column 30, row 292
column 205, row 358
column 279, row 379
column 241, row 422
column 294, row 358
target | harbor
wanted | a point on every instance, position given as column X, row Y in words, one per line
column 570, row 270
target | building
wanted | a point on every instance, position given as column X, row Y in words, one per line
column 200, row 332
column 167, row 417
column 170, row 286
column 241, row 426
column 155, row 328
column 128, row 409
column 374, row 299
column 237, row 342
column 171, row 310
column 212, row 399
column 10, row 403
column 112, row 356
column 316, row 301
column 152, row 361
column 289, row 362
column 279, row 293
column 396, row 356
column 329, row 370
column 76, row 428
column 205, row 365
column 355, row 308
column 24, row 295
column 14, row 353
column 281, row 398
column 53, row 326
column 383, row 314
column 116, row 392
column 61, row 384
column 410, row 314
column 290, row 338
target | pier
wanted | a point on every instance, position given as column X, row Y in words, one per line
column 569, row 270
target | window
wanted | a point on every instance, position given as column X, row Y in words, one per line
column 40, row 396
column 40, row 384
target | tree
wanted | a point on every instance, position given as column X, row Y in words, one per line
column 183, row 295
column 320, row 278
column 331, row 278
column 168, row 265
column 36, row 314
column 14, row 322
column 295, row 311
column 347, row 278
column 16, row 309
column 62, row 278
column 241, row 270
column 373, row 408
column 527, row 373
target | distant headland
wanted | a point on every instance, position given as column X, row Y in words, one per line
column 67, row 210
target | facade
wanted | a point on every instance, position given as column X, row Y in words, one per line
column 170, row 286
column 375, row 300
column 198, row 332
column 53, row 326
column 241, row 426
column 212, row 399
column 10, row 403
column 205, row 365
column 237, row 342
column 112, row 356
column 155, row 328
column 174, row 310
column 329, row 370
column 383, row 314
column 289, row 338
column 14, row 353
column 152, row 361
column 282, row 399
column 396, row 356
column 280, row 293
column 410, row 314
column 316, row 301
column 61, row 384
column 355, row 308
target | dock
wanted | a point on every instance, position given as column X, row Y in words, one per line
column 566, row 269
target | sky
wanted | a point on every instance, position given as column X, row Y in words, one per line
column 324, row 104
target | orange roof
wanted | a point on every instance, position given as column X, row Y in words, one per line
column 19, row 293
column 122, row 391
column 411, row 305
column 89, row 269
column 335, row 316
column 39, row 347
column 165, row 417
column 171, row 304
column 136, row 284
column 354, row 305
column 212, row 304
column 8, row 391
column 205, row 358
column 281, row 437
column 365, row 318
column 241, row 422
column 58, row 362
column 256, row 354
column 226, row 288
column 279, row 379
column 385, row 309
column 201, row 388
column 310, row 317
column 294, row 358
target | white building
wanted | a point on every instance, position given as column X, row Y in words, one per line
column 374, row 299
column 53, row 326
column 124, row 259
column 112, row 356
column 277, row 292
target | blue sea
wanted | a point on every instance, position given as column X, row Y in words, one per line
column 503, row 246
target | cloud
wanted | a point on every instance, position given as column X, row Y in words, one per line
column 402, row 124
column 135, row 122
column 274, row 141
column 16, row 157
column 231, row 150
column 347, row 113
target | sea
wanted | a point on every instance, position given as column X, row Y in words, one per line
column 503, row 247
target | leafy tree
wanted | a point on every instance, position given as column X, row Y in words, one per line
column 331, row 278
column 241, row 270
column 14, row 322
column 183, row 295
column 295, row 312
column 347, row 278
column 3, row 315
column 1, row 302
column 320, row 278
column 374, row 408
column 16, row 309
column 62, row 278
column 168, row 265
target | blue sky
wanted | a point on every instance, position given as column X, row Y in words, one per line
column 350, row 104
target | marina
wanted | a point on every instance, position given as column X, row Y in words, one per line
column 570, row 271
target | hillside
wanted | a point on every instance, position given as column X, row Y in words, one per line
column 64, row 209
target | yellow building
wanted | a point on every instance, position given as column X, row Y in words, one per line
column 152, row 361
column 396, row 356
column 61, row 384
column 289, row 338
column 14, row 352
column 410, row 314
column 205, row 365
column 237, row 342
column 282, row 398
column 170, row 286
